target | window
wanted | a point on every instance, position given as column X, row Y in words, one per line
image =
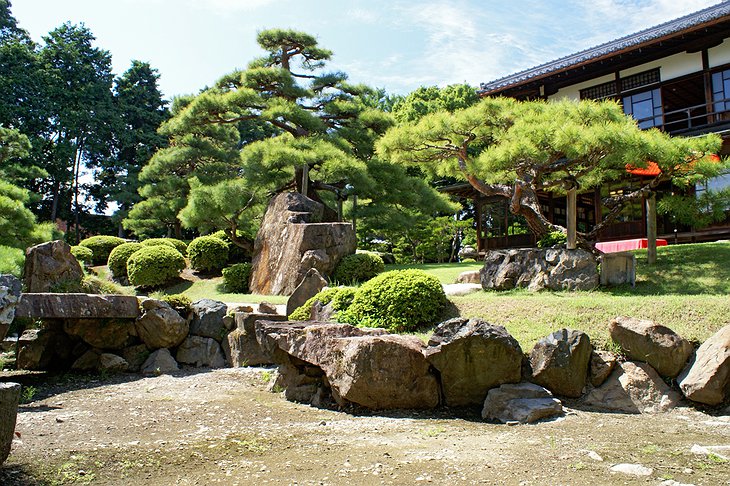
column 605, row 90
column 646, row 108
column 721, row 90
column 640, row 80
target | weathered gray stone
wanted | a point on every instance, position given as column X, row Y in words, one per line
column 9, row 296
column 160, row 362
column 50, row 264
column 201, row 351
column 77, row 306
column 112, row 363
column 560, row 362
column 102, row 333
column 208, row 319
column 267, row 308
column 633, row 387
column 618, row 269
column 706, row 379
column 160, row 326
column 538, row 269
column 470, row 276
column 44, row 349
column 241, row 347
column 9, row 397
column 135, row 356
column 520, row 402
column 473, row 356
column 602, row 364
column 643, row 340
column 310, row 286
column 296, row 220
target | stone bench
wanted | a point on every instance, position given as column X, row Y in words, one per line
column 77, row 306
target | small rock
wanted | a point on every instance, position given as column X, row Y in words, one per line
column 267, row 308
column 160, row 362
column 632, row 469
column 520, row 402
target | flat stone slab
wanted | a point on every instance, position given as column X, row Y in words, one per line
column 77, row 306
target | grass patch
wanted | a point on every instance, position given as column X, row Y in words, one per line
column 445, row 272
column 214, row 288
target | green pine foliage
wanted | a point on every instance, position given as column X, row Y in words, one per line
column 154, row 266
column 358, row 267
column 235, row 278
column 207, row 253
column 340, row 297
column 399, row 301
column 119, row 256
column 101, row 246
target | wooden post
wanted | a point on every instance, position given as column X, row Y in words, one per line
column 651, row 229
column 572, row 215
column 305, row 179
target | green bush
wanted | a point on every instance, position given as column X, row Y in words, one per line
column 468, row 260
column 236, row 254
column 11, row 260
column 358, row 268
column 179, row 245
column 154, row 266
column 94, row 285
column 84, row 255
column 208, row 253
column 118, row 257
column 181, row 303
column 235, row 277
column 101, row 246
column 551, row 239
column 341, row 298
column 399, row 300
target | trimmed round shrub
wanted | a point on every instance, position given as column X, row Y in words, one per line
column 235, row 277
column 84, row 255
column 153, row 266
column 117, row 261
column 101, row 246
column 208, row 253
column 179, row 245
column 399, row 300
column 341, row 298
column 358, row 267
column 236, row 254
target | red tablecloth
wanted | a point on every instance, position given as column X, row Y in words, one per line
column 626, row 245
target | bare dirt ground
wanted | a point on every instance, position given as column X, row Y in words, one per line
column 224, row 427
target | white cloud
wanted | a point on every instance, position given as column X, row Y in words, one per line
column 363, row 15
column 226, row 6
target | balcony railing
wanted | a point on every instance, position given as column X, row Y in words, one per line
column 692, row 117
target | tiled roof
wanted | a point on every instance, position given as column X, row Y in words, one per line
column 687, row 22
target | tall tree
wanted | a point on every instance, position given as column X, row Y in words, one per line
column 513, row 149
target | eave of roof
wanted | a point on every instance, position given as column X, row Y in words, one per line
column 688, row 22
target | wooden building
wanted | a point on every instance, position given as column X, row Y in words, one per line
column 674, row 76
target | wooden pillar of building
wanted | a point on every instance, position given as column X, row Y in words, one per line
column 651, row 229
column 572, row 218
column 707, row 78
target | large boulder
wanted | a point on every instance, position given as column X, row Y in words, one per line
column 520, row 402
column 310, row 286
column 560, row 362
column 643, row 340
column 633, row 387
column 707, row 378
column 538, row 269
column 160, row 326
column 9, row 296
column 201, row 351
column 241, row 347
column 44, row 349
column 159, row 362
column 77, row 306
column 9, row 397
column 208, row 320
column 473, row 356
column 102, row 333
column 49, row 265
column 295, row 219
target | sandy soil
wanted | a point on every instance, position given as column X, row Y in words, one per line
column 224, row 427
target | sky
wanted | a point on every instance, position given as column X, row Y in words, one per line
column 398, row 45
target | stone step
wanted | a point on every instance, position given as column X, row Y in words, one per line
column 77, row 306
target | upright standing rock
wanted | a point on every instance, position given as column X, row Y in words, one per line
column 560, row 362
column 50, row 264
column 310, row 285
column 9, row 296
column 473, row 356
column 707, row 378
column 9, row 396
column 292, row 239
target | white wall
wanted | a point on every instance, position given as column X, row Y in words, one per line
column 719, row 55
column 573, row 92
column 670, row 67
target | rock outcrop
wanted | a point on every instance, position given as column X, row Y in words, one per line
column 633, row 387
column 50, row 264
column 707, row 378
column 538, row 269
column 520, row 402
column 473, row 356
column 643, row 340
column 560, row 362
column 295, row 219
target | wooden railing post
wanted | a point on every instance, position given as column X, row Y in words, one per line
column 572, row 210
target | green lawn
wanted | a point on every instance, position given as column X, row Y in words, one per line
column 213, row 289
column 445, row 272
